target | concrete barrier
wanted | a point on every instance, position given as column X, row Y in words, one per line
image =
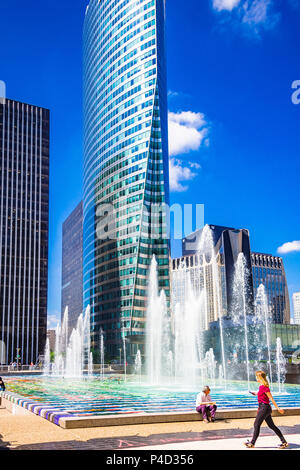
column 145, row 418
column 19, row 405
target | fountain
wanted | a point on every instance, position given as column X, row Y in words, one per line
column 176, row 350
column 240, row 315
column 157, row 323
column 72, row 354
column 179, row 355
column 280, row 365
column 206, row 247
column 47, row 362
column 187, row 327
column 101, row 354
column 210, row 364
column 263, row 319
column 244, row 336
column 138, row 365
column 124, row 355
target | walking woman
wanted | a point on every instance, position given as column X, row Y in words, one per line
column 264, row 413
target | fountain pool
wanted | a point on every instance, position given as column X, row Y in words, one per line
column 58, row 397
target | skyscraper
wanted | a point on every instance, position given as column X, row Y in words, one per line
column 24, row 205
column 71, row 293
column 126, row 169
column 296, row 302
column 196, row 263
column 269, row 271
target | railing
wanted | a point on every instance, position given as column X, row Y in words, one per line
column 97, row 368
column 19, row 368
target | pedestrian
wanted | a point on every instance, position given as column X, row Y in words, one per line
column 2, row 385
column 205, row 405
column 264, row 412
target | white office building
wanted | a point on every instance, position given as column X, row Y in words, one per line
column 296, row 302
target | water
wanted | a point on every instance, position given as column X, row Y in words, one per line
column 207, row 248
column 280, row 365
column 240, row 314
column 138, row 365
column 175, row 349
column 124, row 356
column 263, row 317
column 157, row 338
column 47, row 363
column 94, row 397
column 102, row 354
column 72, row 352
column 176, row 346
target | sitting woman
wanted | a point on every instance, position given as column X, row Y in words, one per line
column 205, row 405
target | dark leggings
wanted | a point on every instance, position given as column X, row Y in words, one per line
column 264, row 414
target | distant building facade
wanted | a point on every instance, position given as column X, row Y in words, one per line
column 51, row 335
column 71, row 294
column 296, row 302
column 196, row 262
column 228, row 244
column 269, row 271
column 24, row 210
column 126, row 166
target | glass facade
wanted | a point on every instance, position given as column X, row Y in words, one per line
column 296, row 304
column 71, row 292
column 269, row 271
column 24, row 212
column 125, row 164
column 196, row 263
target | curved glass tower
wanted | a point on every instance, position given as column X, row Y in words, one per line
column 126, row 175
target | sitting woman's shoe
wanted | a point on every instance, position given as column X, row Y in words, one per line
column 249, row 445
column 205, row 421
column 284, row 445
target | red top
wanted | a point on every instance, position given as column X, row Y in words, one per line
column 262, row 395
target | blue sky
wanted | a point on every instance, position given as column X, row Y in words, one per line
column 234, row 130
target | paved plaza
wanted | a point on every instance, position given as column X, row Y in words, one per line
column 35, row 433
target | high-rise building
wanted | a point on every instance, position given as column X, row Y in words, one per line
column 126, row 167
column 296, row 302
column 51, row 335
column 228, row 244
column 269, row 271
column 71, row 293
column 24, row 205
column 196, row 262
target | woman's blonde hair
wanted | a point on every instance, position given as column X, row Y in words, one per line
column 261, row 375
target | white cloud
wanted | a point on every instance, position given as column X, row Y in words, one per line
column 229, row 5
column 289, row 247
column 173, row 94
column 257, row 12
column 181, row 172
column 187, row 131
column 53, row 319
column 254, row 15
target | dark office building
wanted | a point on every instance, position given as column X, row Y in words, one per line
column 228, row 243
column 71, row 295
column 24, row 205
column 269, row 271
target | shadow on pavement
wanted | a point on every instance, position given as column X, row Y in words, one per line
column 3, row 445
column 121, row 443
